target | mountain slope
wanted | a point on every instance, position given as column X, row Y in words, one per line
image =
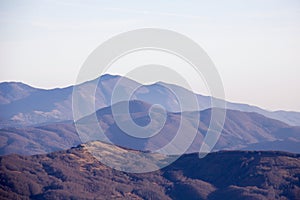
column 75, row 174
column 13, row 91
column 47, row 106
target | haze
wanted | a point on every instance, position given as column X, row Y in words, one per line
column 255, row 44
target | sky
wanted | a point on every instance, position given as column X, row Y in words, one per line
column 254, row 44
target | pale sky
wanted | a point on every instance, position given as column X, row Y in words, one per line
column 254, row 44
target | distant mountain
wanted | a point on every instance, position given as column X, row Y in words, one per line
column 13, row 91
column 242, row 130
column 22, row 105
column 75, row 174
column 38, row 140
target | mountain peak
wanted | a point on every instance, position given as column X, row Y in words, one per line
column 12, row 91
column 109, row 76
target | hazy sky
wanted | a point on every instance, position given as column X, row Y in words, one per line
column 254, row 44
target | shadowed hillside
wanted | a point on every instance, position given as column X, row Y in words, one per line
column 75, row 174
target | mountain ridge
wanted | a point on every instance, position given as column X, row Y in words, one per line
column 241, row 130
column 54, row 105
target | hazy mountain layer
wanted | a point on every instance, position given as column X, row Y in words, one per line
column 242, row 130
column 22, row 105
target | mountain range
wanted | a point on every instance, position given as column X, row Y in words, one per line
column 44, row 155
column 242, row 131
column 22, row 105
